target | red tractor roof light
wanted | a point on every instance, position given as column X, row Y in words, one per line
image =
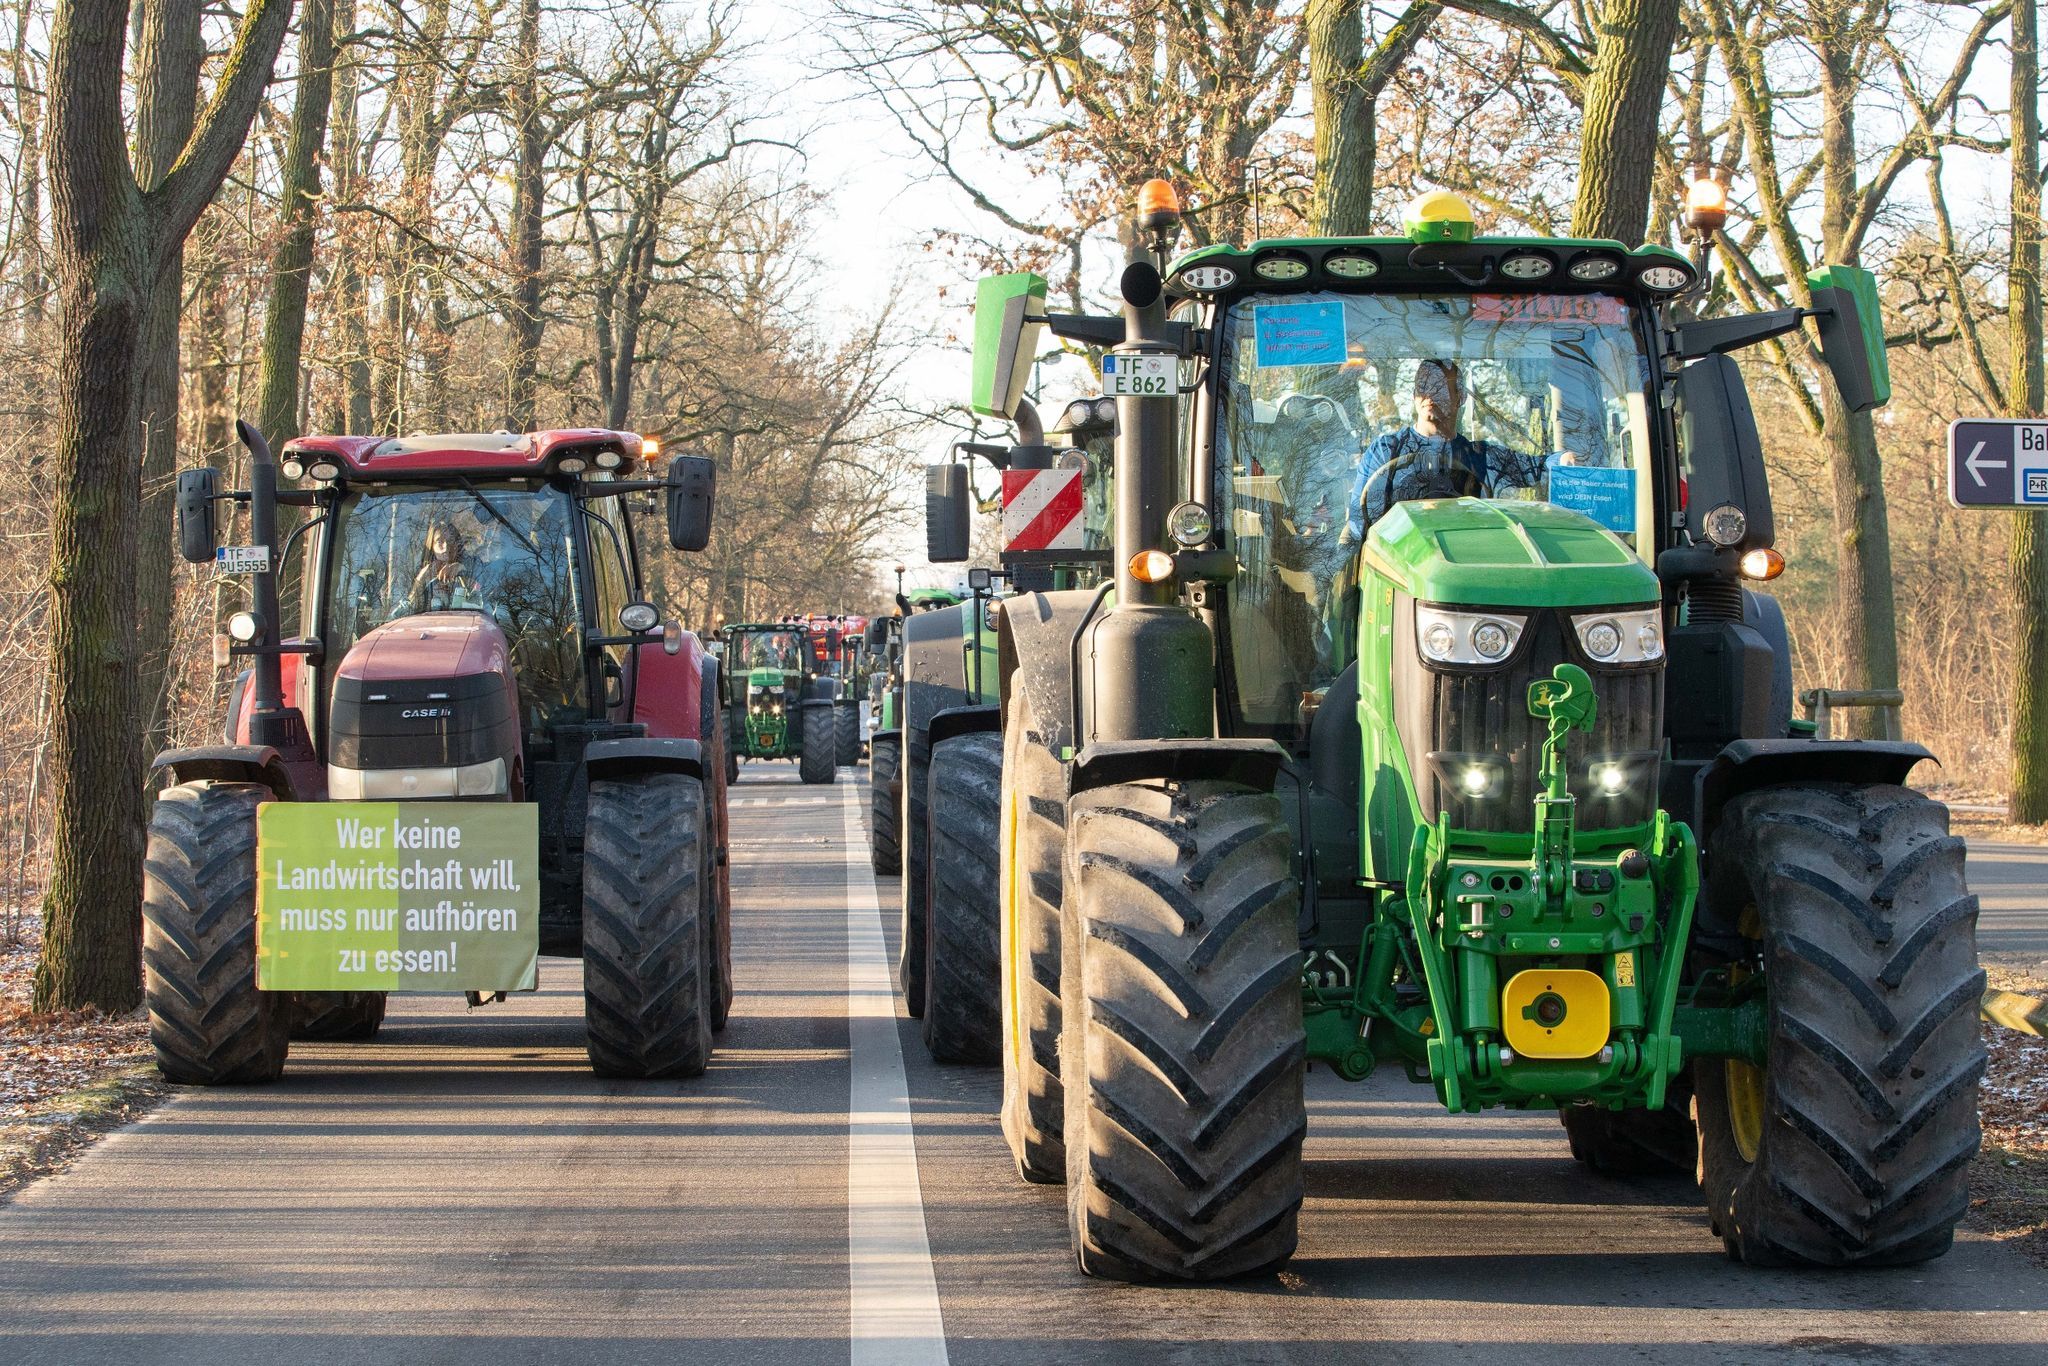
column 470, row 454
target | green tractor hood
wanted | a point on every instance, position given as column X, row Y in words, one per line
column 766, row 678
column 1506, row 554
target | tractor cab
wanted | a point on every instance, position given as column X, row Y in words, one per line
column 471, row 624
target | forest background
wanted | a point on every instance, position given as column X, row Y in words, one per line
column 370, row 216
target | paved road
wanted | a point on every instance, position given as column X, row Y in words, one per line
column 2011, row 883
column 463, row 1190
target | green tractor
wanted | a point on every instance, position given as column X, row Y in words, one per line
column 781, row 706
column 1431, row 719
column 1054, row 499
column 884, row 652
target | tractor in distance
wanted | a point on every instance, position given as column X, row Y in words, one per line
column 1435, row 718
column 1054, row 500
column 782, row 702
column 839, row 652
column 470, row 625
column 885, row 727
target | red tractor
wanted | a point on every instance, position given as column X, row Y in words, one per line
column 471, row 627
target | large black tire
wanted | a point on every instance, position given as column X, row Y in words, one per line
column 732, row 762
column 1635, row 1142
column 818, row 752
column 885, row 759
column 1182, row 1048
column 716, row 847
column 914, row 828
column 208, row 1024
column 1852, row 1145
column 344, row 1016
column 962, row 1022
column 646, row 984
column 1034, row 828
column 846, row 732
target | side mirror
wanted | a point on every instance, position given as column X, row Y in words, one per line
column 1723, row 455
column 1004, row 344
column 878, row 633
column 691, row 482
column 832, row 641
column 1852, row 335
column 197, row 534
column 946, row 503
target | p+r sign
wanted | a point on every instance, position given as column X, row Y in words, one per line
column 1998, row 463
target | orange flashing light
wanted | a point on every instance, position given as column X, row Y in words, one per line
column 1151, row 566
column 1156, row 197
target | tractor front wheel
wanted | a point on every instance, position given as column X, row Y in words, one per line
column 1851, row 1144
column 819, row 752
column 209, row 1025
column 344, row 1016
column 646, row 970
column 885, row 759
column 1034, row 832
column 1181, row 1046
column 910, row 962
column 846, row 732
column 961, row 1020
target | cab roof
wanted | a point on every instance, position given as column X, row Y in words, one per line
column 468, row 454
column 1563, row 265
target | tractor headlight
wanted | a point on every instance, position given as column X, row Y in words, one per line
column 1190, row 524
column 244, row 626
column 1465, row 637
column 1725, row 525
column 639, row 616
column 324, row 470
column 291, row 468
column 609, row 460
column 1622, row 637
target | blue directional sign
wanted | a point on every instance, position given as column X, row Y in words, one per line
column 1998, row 463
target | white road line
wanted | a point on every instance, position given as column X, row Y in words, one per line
column 895, row 1296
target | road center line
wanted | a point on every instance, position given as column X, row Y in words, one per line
column 894, row 1294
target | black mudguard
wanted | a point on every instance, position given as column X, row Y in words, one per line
column 625, row 758
column 228, row 764
column 1745, row 765
column 1037, row 654
column 935, row 677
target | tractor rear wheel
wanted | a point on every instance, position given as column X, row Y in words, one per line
column 646, row 970
column 1635, row 1142
column 1851, row 1144
column 337, row 1015
column 915, row 832
column 885, row 758
column 1181, row 1045
column 846, row 733
column 819, row 752
column 962, row 979
column 208, row 1023
column 1034, row 831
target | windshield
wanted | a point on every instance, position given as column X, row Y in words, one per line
column 1333, row 408
column 505, row 552
column 775, row 650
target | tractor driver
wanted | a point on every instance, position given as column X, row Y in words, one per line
column 444, row 581
column 1429, row 459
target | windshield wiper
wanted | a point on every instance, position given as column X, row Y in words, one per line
column 498, row 516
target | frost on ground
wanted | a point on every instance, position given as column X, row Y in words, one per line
column 65, row 1078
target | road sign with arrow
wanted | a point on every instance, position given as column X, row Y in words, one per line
column 1998, row 462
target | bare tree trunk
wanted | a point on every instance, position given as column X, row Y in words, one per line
column 2024, row 398
column 527, row 323
column 291, row 266
column 351, row 291
column 1863, row 569
column 29, row 202
column 1618, row 138
column 111, row 242
column 1346, row 86
column 167, row 101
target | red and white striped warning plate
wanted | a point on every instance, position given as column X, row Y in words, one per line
column 1041, row 509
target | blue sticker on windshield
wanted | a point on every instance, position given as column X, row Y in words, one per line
column 1298, row 334
column 1608, row 496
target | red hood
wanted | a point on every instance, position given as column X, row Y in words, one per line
column 430, row 645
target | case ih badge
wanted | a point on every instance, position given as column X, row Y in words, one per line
column 1041, row 510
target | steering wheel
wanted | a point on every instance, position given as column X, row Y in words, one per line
column 1458, row 481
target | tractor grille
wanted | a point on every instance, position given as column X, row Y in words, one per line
column 1448, row 720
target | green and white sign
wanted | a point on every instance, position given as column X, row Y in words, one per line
column 397, row 896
